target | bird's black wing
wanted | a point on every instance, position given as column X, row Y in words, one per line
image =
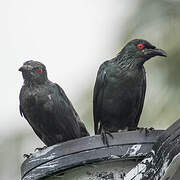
column 98, row 96
column 83, row 129
column 62, row 93
column 64, row 114
column 142, row 92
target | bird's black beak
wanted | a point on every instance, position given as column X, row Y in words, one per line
column 159, row 52
column 20, row 69
column 25, row 68
column 155, row 52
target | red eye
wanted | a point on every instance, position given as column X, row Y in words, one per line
column 140, row 46
column 39, row 71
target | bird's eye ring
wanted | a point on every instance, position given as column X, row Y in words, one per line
column 39, row 71
column 140, row 46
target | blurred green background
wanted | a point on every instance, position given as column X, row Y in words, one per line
column 155, row 21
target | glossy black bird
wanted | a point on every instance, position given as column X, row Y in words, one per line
column 47, row 108
column 120, row 88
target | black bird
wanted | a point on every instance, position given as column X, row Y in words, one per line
column 120, row 88
column 46, row 107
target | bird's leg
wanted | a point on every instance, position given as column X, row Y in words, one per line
column 40, row 149
column 147, row 130
column 27, row 155
column 104, row 138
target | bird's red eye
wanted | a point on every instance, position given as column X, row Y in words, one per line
column 39, row 71
column 140, row 46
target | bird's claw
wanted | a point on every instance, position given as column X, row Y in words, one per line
column 147, row 130
column 122, row 175
column 27, row 155
column 40, row 149
column 104, row 137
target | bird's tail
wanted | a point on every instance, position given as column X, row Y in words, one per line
column 83, row 129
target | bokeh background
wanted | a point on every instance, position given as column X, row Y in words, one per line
column 72, row 38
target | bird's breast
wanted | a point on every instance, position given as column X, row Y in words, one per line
column 122, row 87
column 36, row 96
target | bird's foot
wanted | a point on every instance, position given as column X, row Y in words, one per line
column 27, row 155
column 146, row 130
column 40, row 149
column 124, row 130
column 122, row 175
column 104, row 137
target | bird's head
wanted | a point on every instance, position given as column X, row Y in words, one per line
column 34, row 72
column 138, row 51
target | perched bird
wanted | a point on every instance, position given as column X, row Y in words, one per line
column 46, row 107
column 120, row 88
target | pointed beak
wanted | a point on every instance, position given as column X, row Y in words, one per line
column 25, row 68
column 159, row 52
column 21, row 69
column 155, row 52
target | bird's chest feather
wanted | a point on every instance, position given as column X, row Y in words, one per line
column 34, row 98
column 124, row 79
column 123, row 84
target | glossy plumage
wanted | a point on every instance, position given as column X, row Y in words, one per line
column 46, row 107
column 120, row 88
